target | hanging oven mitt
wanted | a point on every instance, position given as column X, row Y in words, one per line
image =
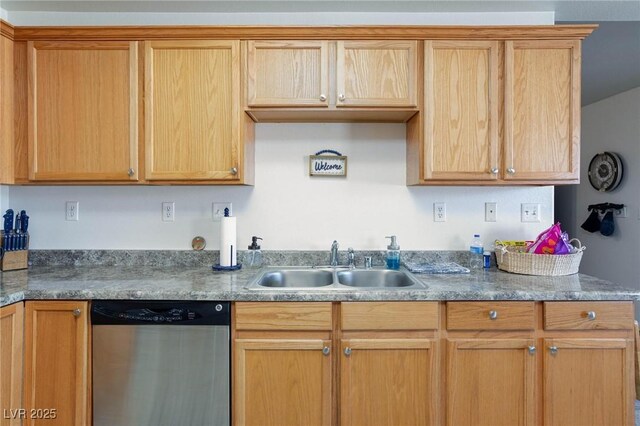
column 607, row 227
column 592, row 224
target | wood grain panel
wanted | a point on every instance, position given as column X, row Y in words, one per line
column 57, row 361
column 542, row 109
column 461, row 110
column 389, row 315
column 20, row 113
column 192, row 110
column 387, row 382
column 490, row 382
column 588, row 382
column 377, row 74
column 574, row 315
column 11, row 354
column 288, row 73
column 282, row 382
column 82, row 110
column 6, row 111
column 362, row 32
column 475, row 316
column 283, row 316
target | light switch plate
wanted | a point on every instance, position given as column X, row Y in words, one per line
column 490, row 212
column 530, row 212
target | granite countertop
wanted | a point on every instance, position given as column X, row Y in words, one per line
column 201, row 283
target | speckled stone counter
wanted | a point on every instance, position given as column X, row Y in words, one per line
column 201, row 283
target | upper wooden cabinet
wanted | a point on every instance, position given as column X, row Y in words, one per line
column 484, row 123
column 6, row 110
column 288, row 73
column 194, row 126
column 83, row 106
column 377, row 73
column 359, row 74
column 461, row 110
column 542, row 110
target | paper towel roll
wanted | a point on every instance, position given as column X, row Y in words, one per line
column 228, row 241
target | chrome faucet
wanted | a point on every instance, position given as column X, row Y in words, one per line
column 351, row 258
column 333, row 258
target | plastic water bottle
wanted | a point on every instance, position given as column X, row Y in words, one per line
column 476, row 249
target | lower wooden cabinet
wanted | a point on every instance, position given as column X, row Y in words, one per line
column 56, row 363
column 11, row 353
column 387, row 381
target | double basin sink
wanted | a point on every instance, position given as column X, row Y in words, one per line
column 328, row 278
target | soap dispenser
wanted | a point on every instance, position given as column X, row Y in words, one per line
column 393, row 254
column 254, row 255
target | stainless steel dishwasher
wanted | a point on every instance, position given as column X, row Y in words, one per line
column 161, row 363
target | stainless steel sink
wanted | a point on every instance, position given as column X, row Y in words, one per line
column 303, row 278
column 283, row 278
column 375, row 278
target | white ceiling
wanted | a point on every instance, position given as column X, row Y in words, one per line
column 611, row 55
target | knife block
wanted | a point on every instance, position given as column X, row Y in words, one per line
column 14, row 260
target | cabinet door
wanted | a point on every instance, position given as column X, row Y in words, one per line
column 542, row 110
column 490, row 382
column 288, row 73
column 83, row 110
column 192, row 110
column 461, row 110
column 282, row 382
column 11, row 332
column 387, row 382
column 588, row 382
column 6, row 111
column 377, row 74
column 57, row 363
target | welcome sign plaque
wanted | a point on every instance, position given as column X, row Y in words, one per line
column 327, row 165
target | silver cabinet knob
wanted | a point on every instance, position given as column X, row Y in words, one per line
column 591, row 315
column 323, row 97
column 553, row 350
column 494, row 171
column 493, row 315
column 234, row 170
column 77, row 312
column 131, row 172
column 341, row 97
column 511, row 170
column 326, row 351
column 347, row 351
column 532, row 350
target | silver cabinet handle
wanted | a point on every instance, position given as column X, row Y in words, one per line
column 234, row 170
column 494, row 171
column 131, row 172
column 77, row 312
column 341, row 97
column 511, row 170
column 532, row 350
column 326, row 350
column 591, row 315
column 493, row 315
column 347, row 351
column 323, row 97
column 553, row 350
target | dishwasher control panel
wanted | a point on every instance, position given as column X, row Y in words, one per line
column 160, row 312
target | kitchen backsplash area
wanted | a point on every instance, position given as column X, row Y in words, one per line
column 287, row 208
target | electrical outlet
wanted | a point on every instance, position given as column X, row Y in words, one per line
column 168, row 211
column 490, row 212
column 439, row 212
column 72, row 209
column 530, row 212
column 218, row 210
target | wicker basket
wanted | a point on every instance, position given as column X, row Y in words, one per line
column 515, row 259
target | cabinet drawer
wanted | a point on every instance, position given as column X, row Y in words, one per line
column 389, row 315
column 490, row 316
column 283, row 316
column 588, row 315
